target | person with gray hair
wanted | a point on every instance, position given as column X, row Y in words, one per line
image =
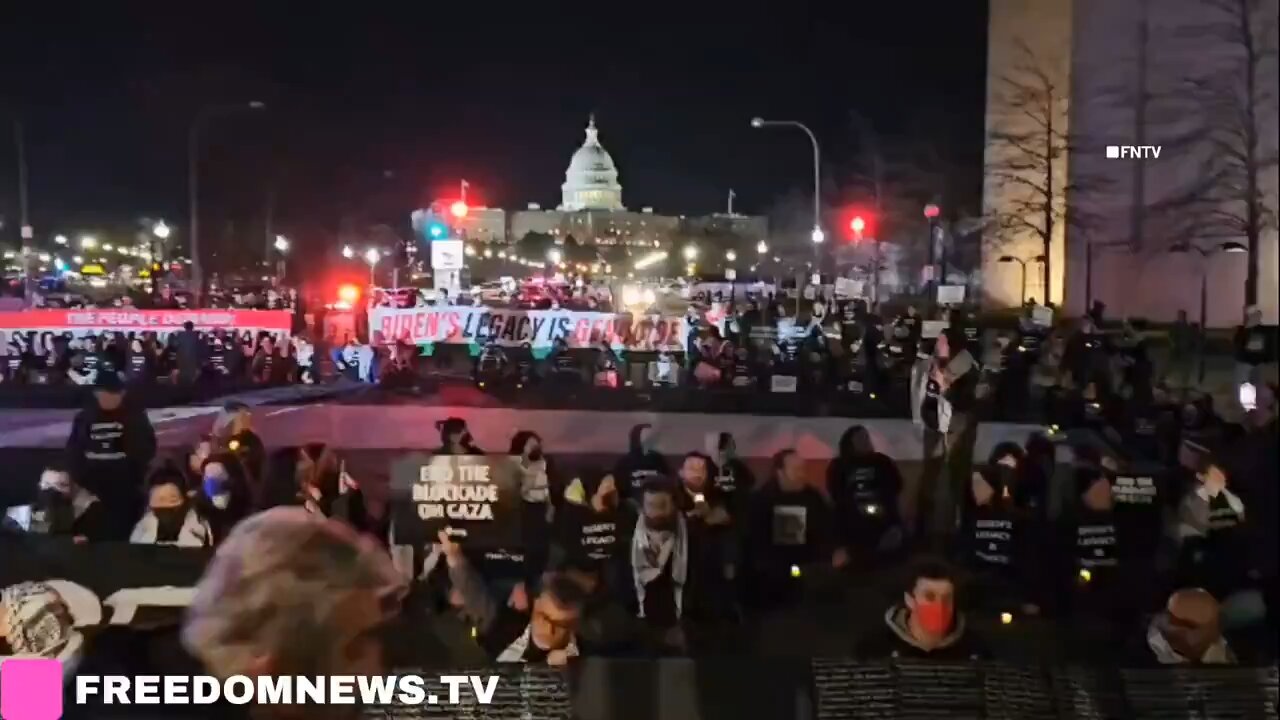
column 293, row 593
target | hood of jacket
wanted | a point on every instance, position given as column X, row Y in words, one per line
column 1218, row 653
column 896, row 618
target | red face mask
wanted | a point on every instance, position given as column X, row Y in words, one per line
column 934, row 617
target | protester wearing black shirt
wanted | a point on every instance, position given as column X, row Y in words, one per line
column 534, row 470
column 678, row 580
column 864, row 486
column 546, row 635
column 593, row 530
column 264, row 370
column 110, row 446
column 62, row 508
column 641, row 463
column 190, row 353
column 906, row 332
column 733, row 479
column 1104, row 572
column 1026, row 477
column 926, row 624
column 1001, row 542
column 789, row 530
column 1139, row 501
column 141, row 362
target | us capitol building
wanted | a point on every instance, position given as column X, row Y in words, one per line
column 591, row 210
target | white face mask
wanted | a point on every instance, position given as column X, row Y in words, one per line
column 221, row 500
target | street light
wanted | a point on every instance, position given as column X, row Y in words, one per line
column 372, row 256
column 690, row 252
column 348, row 252
column 193, row 183
column 731, row 256
column 282, row 244
column 60, row 239
column 88, row 241
column 555, row 256
column 1204, row 253
column 1023, row 263
column 762, row 247
column 817, row 234
column 161, row 230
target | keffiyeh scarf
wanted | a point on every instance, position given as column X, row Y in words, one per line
column 650, row 552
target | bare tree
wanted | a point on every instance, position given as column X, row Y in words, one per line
column 894, row 178
column 1026, row 160
column 1234, row 97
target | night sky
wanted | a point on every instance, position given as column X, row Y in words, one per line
column 370, row 114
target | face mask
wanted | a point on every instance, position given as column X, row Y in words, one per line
column 53, row 513
column 169, row 522
column 535, row 455
column 212, row 485
column 934, row 617
column 220, row 500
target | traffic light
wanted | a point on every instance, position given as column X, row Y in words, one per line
column 458, row 209
column 861, row 223
column 436, row 229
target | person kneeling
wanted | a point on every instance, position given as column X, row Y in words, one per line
column 547, row 635
column 925, row 624
column 170, row 520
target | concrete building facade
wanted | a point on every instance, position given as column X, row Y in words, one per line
column 1120, row 72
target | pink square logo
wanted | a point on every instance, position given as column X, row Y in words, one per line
column 31, row 689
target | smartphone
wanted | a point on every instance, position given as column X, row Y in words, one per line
column 1248, row 394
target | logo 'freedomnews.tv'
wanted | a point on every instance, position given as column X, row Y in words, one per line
column 1133, row 152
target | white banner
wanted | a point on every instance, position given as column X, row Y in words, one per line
column 463, row 324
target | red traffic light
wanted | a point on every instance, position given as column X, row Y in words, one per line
column 458, row 209
column 858, row 224
column 932, row 211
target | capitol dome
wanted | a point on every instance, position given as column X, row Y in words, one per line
column 591, row 182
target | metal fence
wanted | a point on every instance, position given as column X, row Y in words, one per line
column 836, row 689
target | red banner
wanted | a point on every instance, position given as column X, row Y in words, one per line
column 111, row 320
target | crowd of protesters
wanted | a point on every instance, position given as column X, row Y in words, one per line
column 223, row 358
column 650, row 557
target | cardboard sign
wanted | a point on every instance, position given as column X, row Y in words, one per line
column 1042, row 316
column 446, row 255
column 782, row 383
column 848, row 288
column 950, row 294
column 931, row 329
column 476, row 496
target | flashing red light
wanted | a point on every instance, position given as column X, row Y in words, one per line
column 932, row 211
column 348, row 293
column 858, row 224
column 458, row 209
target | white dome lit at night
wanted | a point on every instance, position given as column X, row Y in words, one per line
column 591, row 182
